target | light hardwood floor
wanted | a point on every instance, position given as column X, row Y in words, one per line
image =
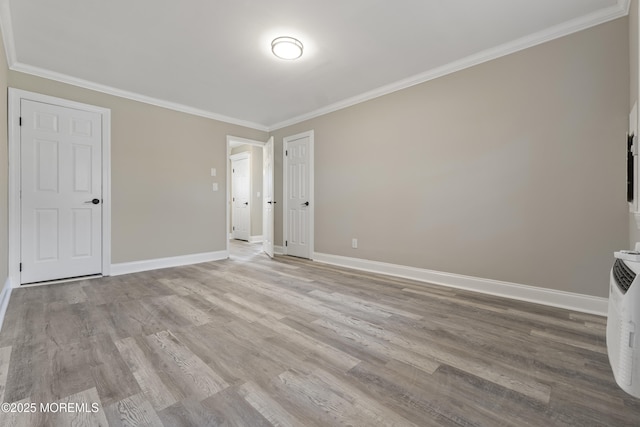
column 256, row 342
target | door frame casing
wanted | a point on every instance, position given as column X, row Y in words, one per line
column 15, row 96
column 285, row 183
column 230, row 141
column 268, row 188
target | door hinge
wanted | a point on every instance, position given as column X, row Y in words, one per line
column 20, row 266
column 286, row 243
column 286, row 152
column 233, row 228
column 20, row 121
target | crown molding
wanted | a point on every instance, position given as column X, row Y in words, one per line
column 109, row 90
column 582, row 23
column 624, row 5
column 566, row 28
column 6, row 27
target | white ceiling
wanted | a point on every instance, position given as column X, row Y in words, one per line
column 213, row 58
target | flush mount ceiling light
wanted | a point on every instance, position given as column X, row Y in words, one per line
column 286, row 48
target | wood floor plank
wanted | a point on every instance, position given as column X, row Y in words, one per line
column 387, row 348
column 270, row 409
column 182, row 307
column 336, row 356
column 5, row 359
column 326, row 398
column 189, row 413
column 383, row 310
column 288, row 342
column 14, row 418
column 72, row 365
column 86, row 410
column 234, row 409
column 30, row 375
column 253, row 306
column 134, row 411
column 409, row 391
column 110, row 373
column 197, row 376
column 153, row 389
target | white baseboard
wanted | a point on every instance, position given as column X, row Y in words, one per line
column 155, row 264
column 5, row 294
column 278, row 250
column 255, row 239
column 554, row 298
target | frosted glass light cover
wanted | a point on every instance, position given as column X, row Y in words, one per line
column 286, row 48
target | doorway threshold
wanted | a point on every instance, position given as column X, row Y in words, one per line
column 65, row 280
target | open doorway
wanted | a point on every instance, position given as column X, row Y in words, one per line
column 246, row 203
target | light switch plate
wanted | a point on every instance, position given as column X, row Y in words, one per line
column 215, row 186
column 213, row 172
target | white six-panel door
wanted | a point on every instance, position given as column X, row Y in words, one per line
column 61, row 192
column 240, row 192
column 268, row 198
column 298, row 195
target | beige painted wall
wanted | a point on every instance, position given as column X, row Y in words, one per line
column 162, row 205
column 4, row 167
column 256, row 186
column 511, row 170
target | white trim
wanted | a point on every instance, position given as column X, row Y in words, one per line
column 240, row 156
column 550, row 297
column 581, row 23
column 285, row 217
column 548, row 34
column 158, row 263
column 278, row 250
column 6, row 26
column 5, row 294
column 234, row 141
column 109, row 90
column 14, row 98
column 636, row 216
column 59, row 281
column 255, row 239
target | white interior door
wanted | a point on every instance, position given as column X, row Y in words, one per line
column 61, row 192
column 269, row 202
column 298, row 195
column 240, row 192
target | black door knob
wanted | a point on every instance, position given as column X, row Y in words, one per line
column 306, row 203
column 246, row 203
column 269, row 202
column 95, row 201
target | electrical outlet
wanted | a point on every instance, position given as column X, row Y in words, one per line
column 354, row 243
